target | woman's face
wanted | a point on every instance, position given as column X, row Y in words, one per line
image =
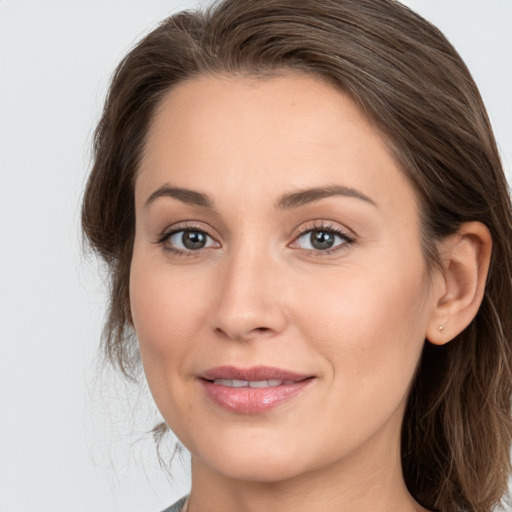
column 278, row 286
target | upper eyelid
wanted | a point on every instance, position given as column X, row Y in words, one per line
column 186, row 226
column 336, row 231
column 342, row 234
column 324, row 225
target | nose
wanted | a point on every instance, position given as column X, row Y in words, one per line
column 249, row 304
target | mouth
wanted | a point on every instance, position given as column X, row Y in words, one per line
column 252, row 390
column 258, row 384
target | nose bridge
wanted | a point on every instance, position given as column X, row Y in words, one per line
column 248, row 302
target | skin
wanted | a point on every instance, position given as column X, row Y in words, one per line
column 257, row 294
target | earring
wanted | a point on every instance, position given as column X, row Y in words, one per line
column 441, row 328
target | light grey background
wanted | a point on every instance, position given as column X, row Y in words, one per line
column 71, row 440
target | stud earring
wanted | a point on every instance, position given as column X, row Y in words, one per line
column 441, row 328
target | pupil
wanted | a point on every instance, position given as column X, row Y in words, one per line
column 193, row 239
column 322, row 239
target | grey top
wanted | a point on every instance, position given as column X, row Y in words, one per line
column 177, row 506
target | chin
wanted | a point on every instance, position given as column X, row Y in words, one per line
column 260, row 469
column 258, row 461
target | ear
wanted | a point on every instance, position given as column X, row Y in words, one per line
column 465, row 260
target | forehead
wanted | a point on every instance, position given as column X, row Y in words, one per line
column 239, row 133
column 294, row 107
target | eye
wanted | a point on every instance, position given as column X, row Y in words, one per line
column 186, row 240
column 322, row 239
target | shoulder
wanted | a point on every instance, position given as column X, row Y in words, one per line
column 177, row 506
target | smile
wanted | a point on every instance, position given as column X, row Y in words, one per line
column 252, row 390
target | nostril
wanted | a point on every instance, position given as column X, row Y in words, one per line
column 234, row 334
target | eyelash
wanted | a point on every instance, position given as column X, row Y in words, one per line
column 325, row 227
column 347, row 239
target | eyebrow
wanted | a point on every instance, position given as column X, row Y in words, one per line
column 184, row 195
column 287, row 201
column 303, row 197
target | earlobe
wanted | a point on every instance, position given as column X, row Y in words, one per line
column 465, row 260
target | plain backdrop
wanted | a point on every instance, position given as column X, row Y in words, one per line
column 73, row 439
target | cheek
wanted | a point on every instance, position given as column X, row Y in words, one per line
column 166, row 326
column 370, row 332
column 371, row 327
column 163, row 318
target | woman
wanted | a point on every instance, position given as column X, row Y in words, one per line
column 309, row 231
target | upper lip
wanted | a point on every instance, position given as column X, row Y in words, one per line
column 253, row 373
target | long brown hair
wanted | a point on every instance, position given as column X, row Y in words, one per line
column 413, row 85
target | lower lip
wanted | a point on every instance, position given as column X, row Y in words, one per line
column 253, row 400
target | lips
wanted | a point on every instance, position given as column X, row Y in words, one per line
column 252, row 390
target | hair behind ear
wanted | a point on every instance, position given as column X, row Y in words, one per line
column 457, row 423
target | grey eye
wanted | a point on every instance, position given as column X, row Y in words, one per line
column 319, row 240
column 190, row 240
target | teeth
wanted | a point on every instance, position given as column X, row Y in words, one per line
column 232, row 383
column 265, row 383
